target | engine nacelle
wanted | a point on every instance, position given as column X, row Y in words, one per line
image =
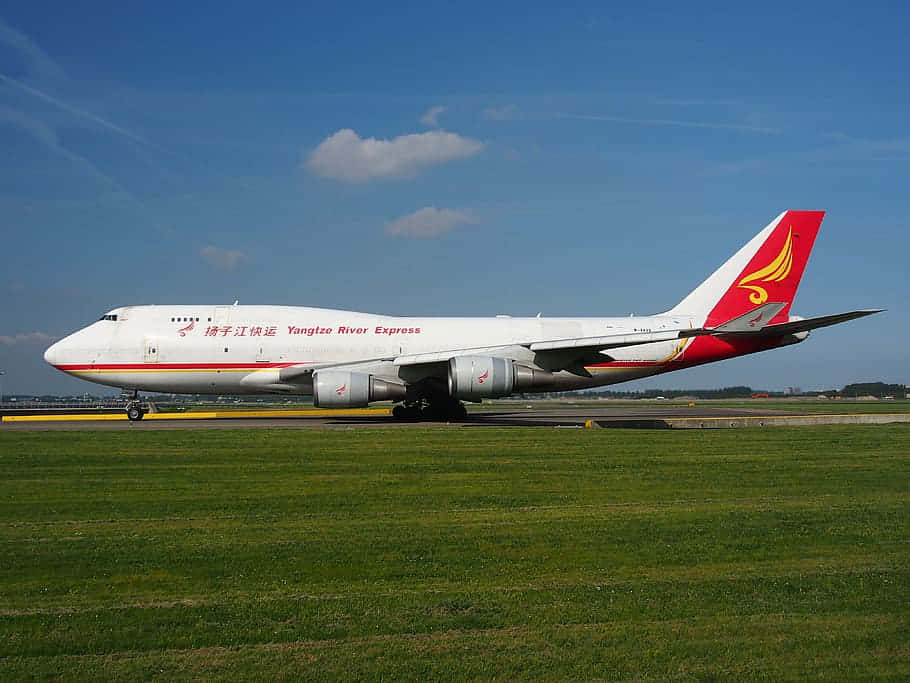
column 343, row 389
column 472, row 378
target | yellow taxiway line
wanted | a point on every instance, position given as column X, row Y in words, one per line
column 211, row 415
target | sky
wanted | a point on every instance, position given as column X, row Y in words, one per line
column 451, row 159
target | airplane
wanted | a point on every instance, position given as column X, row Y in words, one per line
column 429, row 366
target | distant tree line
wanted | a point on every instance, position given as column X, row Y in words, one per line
column 725, row 392
column 878, row 389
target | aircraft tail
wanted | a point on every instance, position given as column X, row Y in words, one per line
column 767, row 269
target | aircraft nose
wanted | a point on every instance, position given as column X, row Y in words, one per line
column 50, row 356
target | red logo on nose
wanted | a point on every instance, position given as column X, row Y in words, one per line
column 482, row 377
column 183, row 330
column 340, row 390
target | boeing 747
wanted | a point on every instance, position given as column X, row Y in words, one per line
column 431, row 365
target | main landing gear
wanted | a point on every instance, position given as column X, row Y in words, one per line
column 135, row 411
column 445, row 410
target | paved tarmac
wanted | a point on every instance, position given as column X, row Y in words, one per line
column 512, row 417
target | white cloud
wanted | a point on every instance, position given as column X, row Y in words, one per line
column 504, row 113
column 431, row 116
column 222, row 259
column 26, row 338
column 347, row 157
column 428, row 222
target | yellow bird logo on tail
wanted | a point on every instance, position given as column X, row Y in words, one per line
column 775, row 271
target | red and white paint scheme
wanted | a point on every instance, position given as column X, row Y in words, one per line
column 346, row 359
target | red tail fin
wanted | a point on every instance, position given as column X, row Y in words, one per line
column 767, row 269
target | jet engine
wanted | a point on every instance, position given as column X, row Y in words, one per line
column 342, row 389
column 472, row 378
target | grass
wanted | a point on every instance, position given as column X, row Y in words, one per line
column 818, row 407
column 473, row 553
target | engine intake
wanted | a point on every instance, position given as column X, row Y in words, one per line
column 472, row 378
column 342, row 389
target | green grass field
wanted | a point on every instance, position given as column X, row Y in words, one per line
column 470, row 553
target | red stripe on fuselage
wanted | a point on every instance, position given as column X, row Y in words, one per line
column 175, row 366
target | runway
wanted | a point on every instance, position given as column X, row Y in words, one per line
column 597, row 415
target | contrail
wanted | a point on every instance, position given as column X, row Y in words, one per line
column 75, row 111
column 673, row 122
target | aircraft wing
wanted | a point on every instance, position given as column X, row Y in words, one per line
column 572, row 353
column 552, row 354
column 610, row 341
column 507, row 351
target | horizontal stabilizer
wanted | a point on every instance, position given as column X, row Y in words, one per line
column 807, row 324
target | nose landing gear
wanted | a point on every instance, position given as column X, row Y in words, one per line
column 135, row 410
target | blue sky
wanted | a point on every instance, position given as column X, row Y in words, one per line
column 451, row 159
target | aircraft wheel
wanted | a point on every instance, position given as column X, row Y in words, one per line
column 135, row 412
column 406, row 411
column 449, row 411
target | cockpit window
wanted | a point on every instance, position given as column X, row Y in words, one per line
column 108, row 317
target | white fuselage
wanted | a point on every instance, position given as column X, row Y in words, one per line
column 217, row 349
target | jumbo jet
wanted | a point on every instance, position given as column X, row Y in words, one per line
column 430, row 365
